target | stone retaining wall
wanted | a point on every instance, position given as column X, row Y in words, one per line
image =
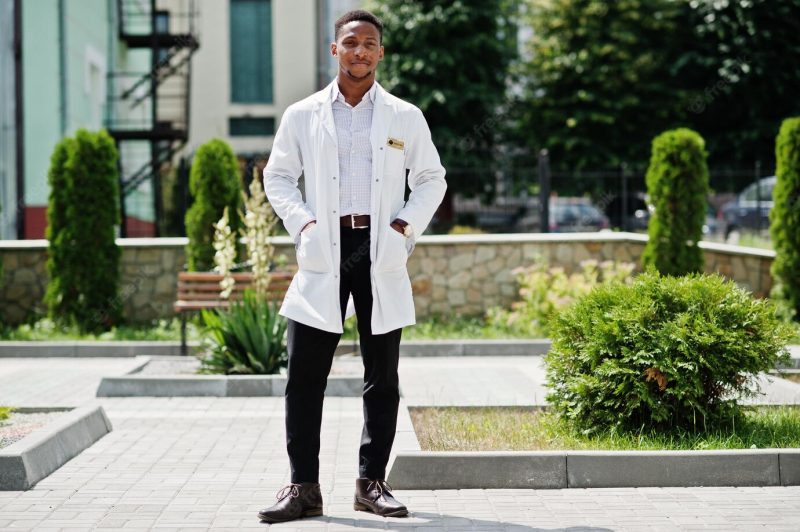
column 454, row 274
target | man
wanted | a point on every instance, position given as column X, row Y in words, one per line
column 356, row 145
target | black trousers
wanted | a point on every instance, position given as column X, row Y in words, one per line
column 310, row 358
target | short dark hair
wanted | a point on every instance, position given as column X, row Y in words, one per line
column 357, row 14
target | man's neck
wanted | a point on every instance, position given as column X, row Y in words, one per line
column 354, row 91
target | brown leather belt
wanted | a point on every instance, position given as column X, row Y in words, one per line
column 355, row 221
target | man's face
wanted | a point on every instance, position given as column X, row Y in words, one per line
column 358, row 49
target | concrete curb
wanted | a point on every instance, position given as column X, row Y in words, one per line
column 29, row 460
column 171, row 348
column 88, row 349
column 451, row 348
column 416, row 470
column 216, row 386
column 91, row 349
column 514, row 347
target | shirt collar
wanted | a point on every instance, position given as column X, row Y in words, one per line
column 370, row 93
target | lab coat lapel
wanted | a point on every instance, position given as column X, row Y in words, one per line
column 325, row 112
column 381, row 121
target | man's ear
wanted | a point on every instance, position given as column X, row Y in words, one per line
column 333, row 49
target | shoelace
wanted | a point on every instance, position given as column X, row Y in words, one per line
column 287, row 491
column 381, row 486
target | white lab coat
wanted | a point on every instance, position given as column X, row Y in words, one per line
column 306, row 144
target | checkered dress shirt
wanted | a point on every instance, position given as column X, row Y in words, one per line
column 353, row 127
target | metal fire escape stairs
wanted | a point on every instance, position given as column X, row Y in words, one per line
column 149, row 110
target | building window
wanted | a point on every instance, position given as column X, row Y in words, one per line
column 251, row 127
column 251, row 51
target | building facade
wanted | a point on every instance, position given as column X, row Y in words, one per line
column 163, row 77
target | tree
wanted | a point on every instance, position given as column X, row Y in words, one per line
column 677, row 182
column 61, row 293
column 600, row 79
column 83, row 212
column 744, row 79
column 603, row 77
column 1, row 262
column 451, row 60
column 785, row 216
column 214, row 183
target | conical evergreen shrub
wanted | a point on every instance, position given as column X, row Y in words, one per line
column 677, row 183
column 785, row 217
column 214, row 183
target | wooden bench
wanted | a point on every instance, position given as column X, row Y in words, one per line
column 201, row 291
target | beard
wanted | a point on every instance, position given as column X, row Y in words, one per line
column 352, row 75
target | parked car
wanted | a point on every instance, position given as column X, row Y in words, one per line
column 576, row 216
column 750, row 209
column 640, row 211
column 711, row 225
column 637, row 216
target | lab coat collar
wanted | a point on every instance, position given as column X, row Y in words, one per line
column 324, row 100
column 370, row 93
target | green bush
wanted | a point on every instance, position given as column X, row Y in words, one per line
column 60, row 294
column 214, row 183
column 785, row 217
column 661, row 353
column 247, row 338
column 83, row 212
column 677, row 183
column 544, row 292
column 1, row 262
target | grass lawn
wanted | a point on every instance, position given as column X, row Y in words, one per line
column 794, row 377
column 442, row 327
column 439, row 327
column 529, row 429
column 754, row 240
column 45, row 329
column 434, row 328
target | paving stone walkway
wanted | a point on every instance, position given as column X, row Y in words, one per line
column 517, row 380
column 212, row 463
column 67, row 381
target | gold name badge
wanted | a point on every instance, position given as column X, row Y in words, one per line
column 396, row 143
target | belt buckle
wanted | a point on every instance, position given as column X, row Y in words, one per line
column 353, row 223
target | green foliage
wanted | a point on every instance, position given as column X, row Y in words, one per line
column 465, row 230
column 741, row 66
column 677, row 182
column 214, row 183
column 527, row 429
column 545, row 292
column 5, row 412
column 247, row 338
column 156, row 330
column 447, row 57
column 785, row 217
column 600, row 78
column 61, row 289
column 83, row 212
column 1, row 260
column 603, row 77
column 662, row 353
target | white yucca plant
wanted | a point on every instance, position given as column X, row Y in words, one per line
column 225, row 254
column 259, row 221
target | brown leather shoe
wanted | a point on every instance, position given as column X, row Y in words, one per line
column 294, row 501
column 375, row 496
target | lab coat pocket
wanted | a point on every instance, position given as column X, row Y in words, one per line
column 311, row 251
column 395, row 253
column 395, row 162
